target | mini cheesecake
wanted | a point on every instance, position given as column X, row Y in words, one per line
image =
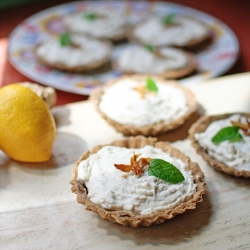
column 167, row 62
column 171, row 30
column 77, row 54
column 131, row 107
column 99, row 24
column 135, row 197
column 224, row 142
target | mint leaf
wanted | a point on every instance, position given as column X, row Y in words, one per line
column 90, row 16
column 237, row 137
column 169, row 19
column 151, row 86
column 165, row 171
column 150, row 48
column 65, row 39
column 227, row 134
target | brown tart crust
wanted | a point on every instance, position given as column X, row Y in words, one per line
column 147, row 130
column 177, row 73
column 200, row 126
column 126, row 218
column 88, row 68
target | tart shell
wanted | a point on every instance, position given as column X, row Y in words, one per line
column 126, row 218
column 147, row 130
column 200, row 126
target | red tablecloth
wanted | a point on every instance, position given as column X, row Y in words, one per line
column 235, row 13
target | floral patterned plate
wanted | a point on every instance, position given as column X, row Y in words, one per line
column 212, row 62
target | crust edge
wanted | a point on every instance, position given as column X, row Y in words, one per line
column 200, row 126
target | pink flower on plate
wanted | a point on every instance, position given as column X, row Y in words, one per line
column 29, row 27
column 43, row 69
column 225, row 55
column 53, row 24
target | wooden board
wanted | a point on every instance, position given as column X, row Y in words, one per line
column 38, row 210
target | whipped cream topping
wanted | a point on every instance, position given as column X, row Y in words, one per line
column 122, row 103
column 140, row 60
column 232, row 154
column 113, row 189
column 108, row 25
column 89, row 52
column 153, row 31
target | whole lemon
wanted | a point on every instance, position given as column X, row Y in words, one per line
column 27, row 127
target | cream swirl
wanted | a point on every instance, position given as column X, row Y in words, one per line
column 87, row 52
column 122, row 103
column 153, row 31
column 107, row 25
column 140, row 60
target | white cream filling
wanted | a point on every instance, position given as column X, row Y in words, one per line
column 90, row 51
column 123, row 104
column 116, row 190
column 232, row 154
column 111, row 25
column 154, row 32
column 140, row 60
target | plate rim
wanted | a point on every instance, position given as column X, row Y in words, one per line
column 87, row 91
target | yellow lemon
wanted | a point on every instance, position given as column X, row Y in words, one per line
column 27, row 127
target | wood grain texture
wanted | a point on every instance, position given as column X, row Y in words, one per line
column 38, row 210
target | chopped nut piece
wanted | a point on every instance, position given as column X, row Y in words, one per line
column 158, row 54
column 142, row 90
column 242, row 126
column 75, row 46
column 137, row 166
column 123, row 167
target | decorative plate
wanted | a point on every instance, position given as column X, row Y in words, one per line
column 212, row 62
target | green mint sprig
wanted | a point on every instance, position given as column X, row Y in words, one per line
column 65, row 40
column 89, row 15
column 149, row 48
column 151, row 85
column 165, row 171
column 230, row 134
column 169, row 19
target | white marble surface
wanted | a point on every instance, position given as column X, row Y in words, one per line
column 38, row 210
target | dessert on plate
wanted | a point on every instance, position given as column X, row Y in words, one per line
column 224, row 142
column 167, row 62
column 144, row 105
column 74, row 53
column 137, row 181
column 171, row 30
column 101, row 24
